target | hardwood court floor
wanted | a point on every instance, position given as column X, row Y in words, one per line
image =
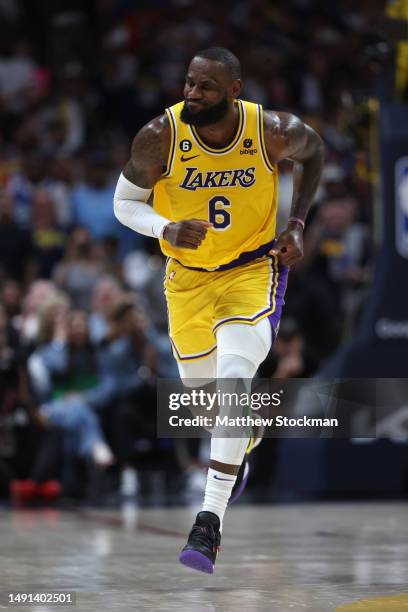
column 280, row 558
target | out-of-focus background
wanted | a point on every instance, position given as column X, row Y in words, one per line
column 83, row 331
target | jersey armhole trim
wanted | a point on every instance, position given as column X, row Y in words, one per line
column 173, row 130
column 267, row 163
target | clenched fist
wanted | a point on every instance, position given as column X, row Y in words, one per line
column 187, row 234
column 289, row 246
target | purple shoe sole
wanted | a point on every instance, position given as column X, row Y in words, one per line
column 196, row 560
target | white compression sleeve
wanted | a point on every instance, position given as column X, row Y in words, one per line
column 130, row 208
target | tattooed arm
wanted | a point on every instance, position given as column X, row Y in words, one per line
column 149, row 155
column 286, row 136
column 150, row 150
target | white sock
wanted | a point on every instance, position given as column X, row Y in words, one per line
column 217, row 492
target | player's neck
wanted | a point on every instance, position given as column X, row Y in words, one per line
column 219, row 135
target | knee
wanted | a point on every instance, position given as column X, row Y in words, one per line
column 234, row 366
column 243, row 344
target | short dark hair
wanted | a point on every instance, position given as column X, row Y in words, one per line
column 120, row 310
column 225, row 57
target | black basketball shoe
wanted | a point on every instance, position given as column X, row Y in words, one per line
column 203, row 543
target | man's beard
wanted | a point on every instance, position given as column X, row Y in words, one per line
column 206, row 116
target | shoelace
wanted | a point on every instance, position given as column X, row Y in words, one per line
column 204, row 535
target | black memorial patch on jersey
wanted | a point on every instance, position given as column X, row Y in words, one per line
column 185, row 145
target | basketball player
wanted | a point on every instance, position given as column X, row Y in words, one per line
column 211, row 161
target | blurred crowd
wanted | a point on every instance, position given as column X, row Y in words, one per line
column 83, row 330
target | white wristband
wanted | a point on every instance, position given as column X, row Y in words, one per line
column 131, row 209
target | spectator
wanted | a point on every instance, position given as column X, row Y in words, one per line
column 10, row 298
column 126, row 357
column 61, row 370
column 106, row 294
column 28, row 323
column 16, row 249
column 24, row 448
column 57, row 183
column 17, row 78
column 92, row 203
column 289, row 356
column 337, row 247
column 128, row 364
column 79, row 271
column 48, row 238
column 22, row 184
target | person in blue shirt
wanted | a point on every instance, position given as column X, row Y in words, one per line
column 91, row 203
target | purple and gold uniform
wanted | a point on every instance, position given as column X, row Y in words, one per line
column 230, row 278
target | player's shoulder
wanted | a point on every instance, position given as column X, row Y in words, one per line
column 156, row 129
column 153, row 139
column 282, row 124
column 284, row 134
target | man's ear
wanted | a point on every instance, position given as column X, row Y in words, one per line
column 236, row 88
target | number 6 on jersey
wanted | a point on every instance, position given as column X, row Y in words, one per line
column 217, row 213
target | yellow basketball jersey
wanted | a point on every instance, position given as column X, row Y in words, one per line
column 235, row 188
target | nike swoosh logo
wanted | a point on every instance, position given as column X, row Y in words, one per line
column 227, row 479
column 185, row 159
